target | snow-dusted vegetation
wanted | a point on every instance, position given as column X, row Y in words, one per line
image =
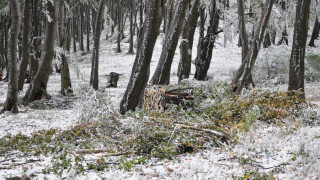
column 265, row 132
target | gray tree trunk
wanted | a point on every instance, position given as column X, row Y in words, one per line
column 173, row 30
column 141, row 68
column 316, row 28
column 25, row 44
column 66, row 86
column 296, row 71
column 94, row 79
column 11, row 103
column 244, row 72
column 186, row 43
column 38, row 87
column 130, row 51
column 206, row 45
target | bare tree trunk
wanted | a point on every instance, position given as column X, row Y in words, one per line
column 36, row 42
column 206, row 45
column 244, row 72
column 130, row 51
column 66, row 86
column 316, row 28
column 26, row 47
column 162, row 72
column 94, row 79
column 38, row 87
column 141, row 68
column 296, row 71
column 11, row 103
column 186, row 43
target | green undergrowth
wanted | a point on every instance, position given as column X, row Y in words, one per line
column 138, row 136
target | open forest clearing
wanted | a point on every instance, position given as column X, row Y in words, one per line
column 260, row 133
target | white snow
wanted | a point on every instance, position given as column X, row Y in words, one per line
column 288, row 150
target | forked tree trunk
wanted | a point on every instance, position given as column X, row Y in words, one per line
column 296, row 71
column 94, row 79
column 173, row 30
column 11, row 103
column 206, row 45
column 244, row 72
column 141, row 68
column 38, row 87
column 186, row 43
column 26, row 47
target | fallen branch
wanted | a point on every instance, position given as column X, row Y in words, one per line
column 101, row 151
column 213, row 132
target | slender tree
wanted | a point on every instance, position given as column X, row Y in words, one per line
column 206, row 44
column 141, row 68
column 186, row 44
column 316, row 28
column 244, row 72
column 38, row 87
column 66, row 86
column 296, row 71
column 162, row 73
column 25, row 44
column 94, row 79
column 11, row 103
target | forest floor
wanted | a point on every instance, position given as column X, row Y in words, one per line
column 287, row 149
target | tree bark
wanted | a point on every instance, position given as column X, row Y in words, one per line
column 26, row 47
column 296, row 71
column 66, row 86
column 11, row 103
column 38, row 87
column 186, row 43
column 206, row 45
column 141, row 69
column 94, row 79
column 316, row 28
column 245, row 69
column 130, row 51
column 162, row 73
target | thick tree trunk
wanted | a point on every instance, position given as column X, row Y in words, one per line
column 162, row 72
column 206, row 45
column 38, row 86
column 186, row 43
column 243, row 74
column 296, row 71
column 94, row 79
column 315, row 31
column 141, row 69
column 11, row 103
column 26, row 47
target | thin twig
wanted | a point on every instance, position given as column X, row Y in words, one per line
column 216, row 133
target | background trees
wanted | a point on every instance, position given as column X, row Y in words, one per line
column 79, row 25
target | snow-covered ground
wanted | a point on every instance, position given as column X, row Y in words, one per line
column 288, row 150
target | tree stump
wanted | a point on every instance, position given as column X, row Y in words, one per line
column 113, row 79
